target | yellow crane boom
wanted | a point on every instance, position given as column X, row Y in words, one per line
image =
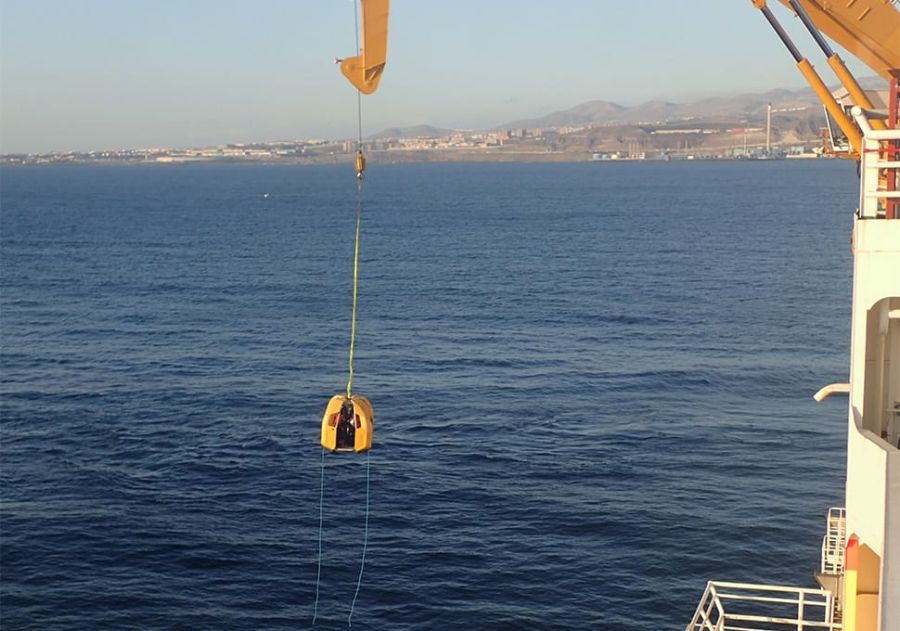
column 869, row 29
column 365, row 69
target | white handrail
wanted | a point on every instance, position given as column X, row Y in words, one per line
column 878, row 167
column 874, row 134
column 814, row 608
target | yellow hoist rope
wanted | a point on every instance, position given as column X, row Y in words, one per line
column 355, row 275
column 360, row 168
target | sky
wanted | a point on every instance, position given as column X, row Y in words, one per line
column 114, row 74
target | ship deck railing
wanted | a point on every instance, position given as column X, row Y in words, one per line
column 879, row 170
column 755, row 607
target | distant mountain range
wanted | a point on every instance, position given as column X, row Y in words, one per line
column 599, row 112
column 606, row 113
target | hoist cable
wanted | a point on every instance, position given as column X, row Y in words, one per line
column 360, row 166
column 355, row 288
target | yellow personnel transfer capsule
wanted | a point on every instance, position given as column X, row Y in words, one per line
column 348, row 424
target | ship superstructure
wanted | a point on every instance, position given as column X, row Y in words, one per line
column 859, row 573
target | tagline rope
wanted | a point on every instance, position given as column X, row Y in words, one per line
column 362, row 563
column 321, row 513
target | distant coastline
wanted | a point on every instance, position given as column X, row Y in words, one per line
column 409, row 158
column 773, row 124
column 583, row 144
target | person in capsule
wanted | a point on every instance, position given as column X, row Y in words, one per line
column 346, row 427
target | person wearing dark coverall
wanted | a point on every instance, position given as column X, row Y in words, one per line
column 346, row 427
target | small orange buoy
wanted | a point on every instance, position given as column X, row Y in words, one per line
column 348, row 424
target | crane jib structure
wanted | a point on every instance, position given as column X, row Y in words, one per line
column 868, row 29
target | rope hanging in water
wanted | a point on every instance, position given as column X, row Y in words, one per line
column 362, row 563
column 321, row 513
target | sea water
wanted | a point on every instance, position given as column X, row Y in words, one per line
column 592, row 386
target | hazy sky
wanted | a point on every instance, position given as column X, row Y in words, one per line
column 97, row 74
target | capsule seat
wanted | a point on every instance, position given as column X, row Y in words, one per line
column 355, row 436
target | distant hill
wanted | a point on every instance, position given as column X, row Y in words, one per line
column 416, row 131
column 592, row 112
column 600, row 112
column 607, row 113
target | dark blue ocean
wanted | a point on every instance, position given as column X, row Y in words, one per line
column 592, row 385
